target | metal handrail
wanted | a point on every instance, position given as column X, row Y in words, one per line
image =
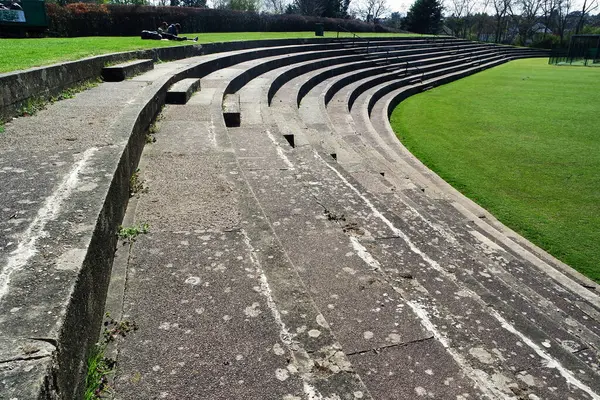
column 419, row 70
column 354, row 36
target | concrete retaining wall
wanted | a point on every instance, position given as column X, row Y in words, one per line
column 18, row 87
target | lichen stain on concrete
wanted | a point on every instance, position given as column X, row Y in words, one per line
column 252, row 311
column 282, row 374
column 322, row 322
column 27, row 246
column 193, row 280
column 314, row 333
column 278, row 350
column 481, row 354
column 71, row 260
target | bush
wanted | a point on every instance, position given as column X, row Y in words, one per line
column 89, row 19
column 549, row 42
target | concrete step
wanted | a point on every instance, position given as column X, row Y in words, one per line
column 181, row 91
column 231, row 110
column 120, row 72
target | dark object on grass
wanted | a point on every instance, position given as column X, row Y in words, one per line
column 151, row 35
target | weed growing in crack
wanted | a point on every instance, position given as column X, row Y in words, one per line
column 130, row 233
column 100, row 367
column 31, row 107
column 114, row 329
column 153, row 128
column 333, row 216
column 136, row 184
column 150, row 138
column 1, row 127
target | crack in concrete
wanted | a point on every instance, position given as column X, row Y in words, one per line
column 52, row 341
column 377, row 350
column 25, row 358
column 580, row 350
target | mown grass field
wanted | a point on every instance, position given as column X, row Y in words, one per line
column 26, row 53
column 523, row 141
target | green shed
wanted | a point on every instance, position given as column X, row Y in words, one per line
column 22, row 17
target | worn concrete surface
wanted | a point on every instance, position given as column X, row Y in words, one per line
column 279, row 272
column 269, row 271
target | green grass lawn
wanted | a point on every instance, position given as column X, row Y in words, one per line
column 26, row 53
column 523, row 141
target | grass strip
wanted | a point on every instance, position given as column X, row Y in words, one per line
column 18, row 54
column 522, row 140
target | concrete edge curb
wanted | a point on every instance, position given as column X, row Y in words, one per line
column 84, row 312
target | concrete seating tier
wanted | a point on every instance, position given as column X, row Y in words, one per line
column 297, row 251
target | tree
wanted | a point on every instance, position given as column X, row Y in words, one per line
column 394, row 21
column 424, row 16
column 309, row 7
column 244, row 5
column 371, row 10
column 335, row 8
column 193, row 3
column 277, row 6
column 502, row 8
column 525, row 17
column 460, row 13
column 588, row 6
column 563, row 8
column 548, row 12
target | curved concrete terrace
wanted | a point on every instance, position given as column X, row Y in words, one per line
column 302, row 255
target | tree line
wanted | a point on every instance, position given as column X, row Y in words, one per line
column 524, row 22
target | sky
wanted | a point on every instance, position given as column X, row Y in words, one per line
column 400, row 5
column 403, row 6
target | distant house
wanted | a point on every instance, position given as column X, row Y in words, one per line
column 540, row 28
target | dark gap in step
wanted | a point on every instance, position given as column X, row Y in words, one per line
column 334, row 156
column 231, row 110
column 290, row 140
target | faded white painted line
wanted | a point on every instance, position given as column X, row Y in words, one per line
column 560, row 277
column 481, row 378
column 468, row 370
column 284, row 334
column 364, row 254
column 551, row 361
column 212, row 136
column 279, row 150
column 484, row 239
column 386, row 221
column 49, row 210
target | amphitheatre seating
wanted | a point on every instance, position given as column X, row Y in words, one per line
column 297, row 250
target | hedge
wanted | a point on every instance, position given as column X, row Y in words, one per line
column 89, row 19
